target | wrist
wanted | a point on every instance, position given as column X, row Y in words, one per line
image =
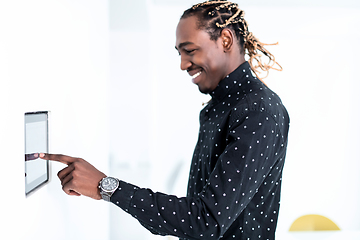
column 107, row 187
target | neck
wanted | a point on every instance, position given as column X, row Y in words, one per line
column 235, row 62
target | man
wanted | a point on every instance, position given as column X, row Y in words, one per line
column 235, row 176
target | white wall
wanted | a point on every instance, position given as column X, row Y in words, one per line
column 53, row 56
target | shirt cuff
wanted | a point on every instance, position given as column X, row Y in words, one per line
column 123, row 195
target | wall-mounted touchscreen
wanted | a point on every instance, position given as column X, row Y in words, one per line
column 36, row 141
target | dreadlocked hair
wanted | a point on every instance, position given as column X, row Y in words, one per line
column 213, row 16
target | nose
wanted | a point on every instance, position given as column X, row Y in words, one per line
column 185, row 63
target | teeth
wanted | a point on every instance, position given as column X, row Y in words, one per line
column 196, row 75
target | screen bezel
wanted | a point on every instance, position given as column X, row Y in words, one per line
column 43, row 179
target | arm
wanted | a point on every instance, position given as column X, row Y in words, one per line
column 236, row 178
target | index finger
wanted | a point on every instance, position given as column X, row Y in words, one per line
column 57, row 157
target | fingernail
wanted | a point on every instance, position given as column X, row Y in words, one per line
column 36, row 155
column 42, row 155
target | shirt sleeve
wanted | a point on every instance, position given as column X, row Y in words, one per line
column 253, row 142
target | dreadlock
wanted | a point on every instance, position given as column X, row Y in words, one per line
column 214, row 16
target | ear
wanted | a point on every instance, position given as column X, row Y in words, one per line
column 227, row 38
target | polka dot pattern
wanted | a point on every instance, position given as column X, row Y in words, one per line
column 235, row 175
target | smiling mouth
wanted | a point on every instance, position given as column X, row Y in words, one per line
column 196, row 75
column 195, row 78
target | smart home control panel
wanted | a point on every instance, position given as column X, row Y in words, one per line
column 36, row 141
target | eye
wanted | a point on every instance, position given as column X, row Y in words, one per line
column 189, row 51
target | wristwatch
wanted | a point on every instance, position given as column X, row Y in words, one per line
column 108, row 186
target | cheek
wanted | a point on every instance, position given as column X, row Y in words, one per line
column 215, row 58
column 210, row 61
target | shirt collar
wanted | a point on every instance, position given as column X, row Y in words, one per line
column 231, row 80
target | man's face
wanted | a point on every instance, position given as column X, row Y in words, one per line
column 204, row 59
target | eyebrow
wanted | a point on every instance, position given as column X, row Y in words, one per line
column 183, row 44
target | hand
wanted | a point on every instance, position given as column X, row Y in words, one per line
column 79, row 177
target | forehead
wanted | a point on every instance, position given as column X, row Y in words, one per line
column 187, row 31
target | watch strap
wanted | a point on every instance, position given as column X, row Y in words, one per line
column 106, row 196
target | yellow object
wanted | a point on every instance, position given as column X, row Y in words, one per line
column 313, row 222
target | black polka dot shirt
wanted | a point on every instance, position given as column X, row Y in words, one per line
column 235, row 175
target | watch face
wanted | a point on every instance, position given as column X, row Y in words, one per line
column 109, row 184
